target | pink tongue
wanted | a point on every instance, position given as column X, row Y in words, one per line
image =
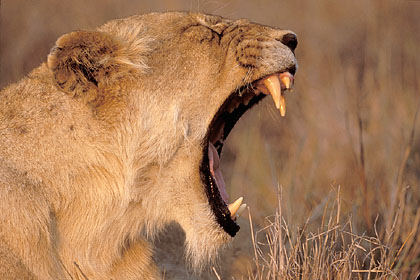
column 216, row 172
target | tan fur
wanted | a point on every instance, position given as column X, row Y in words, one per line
column 100, row 147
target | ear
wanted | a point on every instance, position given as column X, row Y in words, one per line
column 83, row 60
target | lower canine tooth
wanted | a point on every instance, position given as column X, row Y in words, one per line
column 240, row 210
column 233, row 207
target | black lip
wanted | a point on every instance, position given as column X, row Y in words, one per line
column 216, row 202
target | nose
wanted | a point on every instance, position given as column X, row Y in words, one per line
column 290, row 40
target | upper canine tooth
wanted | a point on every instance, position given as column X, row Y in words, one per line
column 233, row 207
column 273, row 85
column 282, row 106
column 286, row 81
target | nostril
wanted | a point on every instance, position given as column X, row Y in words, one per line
column 292, row 70
column 290, row 40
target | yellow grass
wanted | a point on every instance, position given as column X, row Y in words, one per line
column 352, row 125
column 335, row 251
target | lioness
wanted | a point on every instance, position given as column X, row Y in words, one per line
column 119, row 133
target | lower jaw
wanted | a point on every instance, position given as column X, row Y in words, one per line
column 216, row 202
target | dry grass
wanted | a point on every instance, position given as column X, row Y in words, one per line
column 353, row 121
column 335, row 251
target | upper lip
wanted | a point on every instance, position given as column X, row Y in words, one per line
column 222, row 123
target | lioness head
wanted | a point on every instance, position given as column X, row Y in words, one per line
column 170, row 87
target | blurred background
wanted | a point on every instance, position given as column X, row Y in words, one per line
column 352, row 121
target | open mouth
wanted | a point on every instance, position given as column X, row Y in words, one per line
column 225, row 119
